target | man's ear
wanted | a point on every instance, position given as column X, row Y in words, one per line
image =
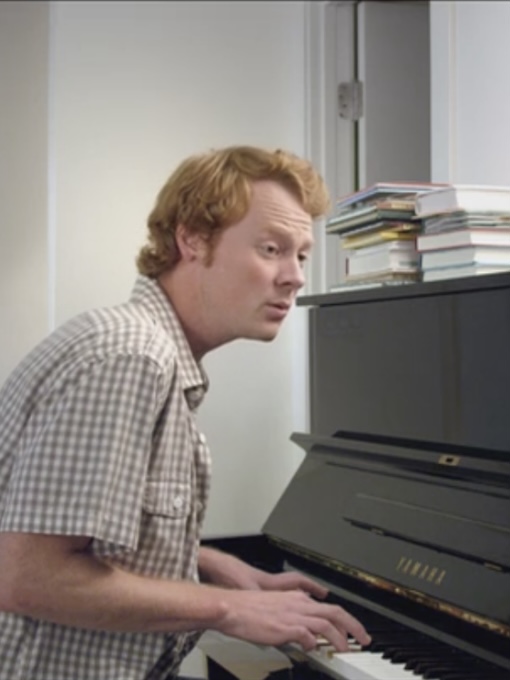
column 191, row 245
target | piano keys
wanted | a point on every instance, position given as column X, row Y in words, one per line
column 396, row 653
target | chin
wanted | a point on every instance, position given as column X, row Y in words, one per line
column 266, row 334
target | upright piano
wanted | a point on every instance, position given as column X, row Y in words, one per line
column 401, row 505
column 402, row 502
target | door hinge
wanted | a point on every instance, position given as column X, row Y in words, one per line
column 350, row 100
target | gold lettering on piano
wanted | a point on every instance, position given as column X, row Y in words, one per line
column 401, row 563
column 420, row 570
column 415, row 568
column 432, row 574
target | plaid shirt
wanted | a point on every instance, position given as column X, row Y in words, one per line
column 98, row 438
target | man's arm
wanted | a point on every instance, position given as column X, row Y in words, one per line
column 225, row 570
column 55, row 578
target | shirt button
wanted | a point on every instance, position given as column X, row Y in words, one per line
column 201, row 438
column 177, row 502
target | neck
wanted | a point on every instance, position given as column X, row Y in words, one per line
column 185, row 301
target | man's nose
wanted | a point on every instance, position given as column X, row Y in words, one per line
column 292, row 274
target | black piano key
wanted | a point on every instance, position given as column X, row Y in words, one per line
column 404, row 654
column 422, row 666
column 466, row 675
column 437, row 664
column 486, row 674
column 456, row 672
column 427, row 664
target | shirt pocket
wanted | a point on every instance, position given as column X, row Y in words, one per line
column 167, row 499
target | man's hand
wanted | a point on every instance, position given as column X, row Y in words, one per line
column 291, row 580
column 280, row 617
column 225, row 570
column 284, row 612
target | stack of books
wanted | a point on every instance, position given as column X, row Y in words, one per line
column 465, row 231
column 378, row 229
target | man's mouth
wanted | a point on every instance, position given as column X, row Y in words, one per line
column 285, row 306
column 278, row 310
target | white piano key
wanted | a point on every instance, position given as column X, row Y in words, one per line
column 376, row 667
column 361, row 666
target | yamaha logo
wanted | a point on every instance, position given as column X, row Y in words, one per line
column 420, row 570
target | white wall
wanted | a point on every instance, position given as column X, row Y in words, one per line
column 470, row 73
column 133, row 88
column 23, row 176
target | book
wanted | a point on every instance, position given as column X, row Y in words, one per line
column 466, row 255
column 464, row 220
column 455, row 238
column 386, row 277
column 456, row 272
column 386, row 257
column 362, row 239
column 382, row 211
column 381, row 190
column 466, row 197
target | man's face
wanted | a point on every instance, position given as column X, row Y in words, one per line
column 257, row 267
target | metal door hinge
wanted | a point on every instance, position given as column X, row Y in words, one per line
column 350, row 100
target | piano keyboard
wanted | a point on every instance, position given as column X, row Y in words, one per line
column 370, row 665
column 396, row 653
column 359, row 666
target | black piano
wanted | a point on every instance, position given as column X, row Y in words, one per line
column 401, row 505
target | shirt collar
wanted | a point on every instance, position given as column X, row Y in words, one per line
column 149, row 294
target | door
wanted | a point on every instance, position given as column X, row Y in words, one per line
column 394, row 68
column 384, row 46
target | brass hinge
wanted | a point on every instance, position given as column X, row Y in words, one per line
column 447, row 459
column 350, row 100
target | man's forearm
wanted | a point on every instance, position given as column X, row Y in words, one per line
column 75, row 589
column 226, row 570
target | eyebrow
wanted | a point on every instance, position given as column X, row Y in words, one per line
column 276, row 230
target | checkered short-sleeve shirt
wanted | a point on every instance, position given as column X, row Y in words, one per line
column 98, row 438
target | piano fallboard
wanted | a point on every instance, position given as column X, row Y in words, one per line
column 402, row 516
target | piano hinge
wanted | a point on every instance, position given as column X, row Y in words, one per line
column 350, row 100
column 377, row 531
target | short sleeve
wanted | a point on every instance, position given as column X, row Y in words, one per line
column 81, row 462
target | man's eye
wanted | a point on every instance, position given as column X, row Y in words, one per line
column 303, row 259
column 270, row 249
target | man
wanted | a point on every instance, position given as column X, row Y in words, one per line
column 103, row 472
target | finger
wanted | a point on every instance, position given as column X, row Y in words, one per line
column 295, row 581
column 354, row 628
column 312, row 588
column 341, row 620
column 304, row 637
column 324, row 629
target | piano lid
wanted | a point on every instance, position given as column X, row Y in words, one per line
column 430, row 526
